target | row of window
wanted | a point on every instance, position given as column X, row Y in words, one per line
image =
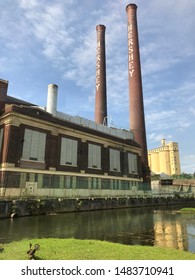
column 34, row 149
column 77, row 182
column 21, row 180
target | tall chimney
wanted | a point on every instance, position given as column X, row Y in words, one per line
column 101, row 98
column 136, row 106
column 52, row 99
column 3, row 93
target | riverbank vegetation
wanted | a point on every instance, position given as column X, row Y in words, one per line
column 75, row 249
column 187, row 210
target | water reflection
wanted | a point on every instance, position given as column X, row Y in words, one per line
column 143, row 226
column 170, row 230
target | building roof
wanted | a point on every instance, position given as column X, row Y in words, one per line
column 38, row 113
column 13, row 100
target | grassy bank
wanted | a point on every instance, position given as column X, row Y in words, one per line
column 74, row 249
column 187, row 210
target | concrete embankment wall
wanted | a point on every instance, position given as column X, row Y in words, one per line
column 29, row 207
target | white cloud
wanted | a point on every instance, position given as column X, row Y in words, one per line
column 188, row 163
column 156, row 117
column 48, row 25
column 28, row 4
column 156, row 138
column 192, row 110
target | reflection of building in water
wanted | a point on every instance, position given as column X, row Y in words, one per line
column 170, row 233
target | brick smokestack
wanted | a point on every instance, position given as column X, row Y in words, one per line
column 136, row 106
column 3, row 93
column 101, row 98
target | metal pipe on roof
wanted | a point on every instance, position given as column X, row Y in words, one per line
column 52, row 99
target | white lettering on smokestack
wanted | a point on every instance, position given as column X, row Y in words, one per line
column 130, row 50
column 98, row 65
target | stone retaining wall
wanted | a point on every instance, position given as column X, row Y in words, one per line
column 29, row 207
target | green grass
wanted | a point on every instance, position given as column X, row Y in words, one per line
column 75, row 249
column 187, row 210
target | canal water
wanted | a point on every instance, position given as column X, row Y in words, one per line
column 141, row 226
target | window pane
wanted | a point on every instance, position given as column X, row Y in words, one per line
column 34, row 145
column 94, row 156
column 115, row 160
column 132, row 163
column 69, row 149
column 41, row 147
column 1, row 138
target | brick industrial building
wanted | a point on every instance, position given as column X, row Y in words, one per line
column 48, row 153
column 61, row 155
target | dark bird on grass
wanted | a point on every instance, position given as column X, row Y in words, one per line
column 1, row 250
column 31, row 252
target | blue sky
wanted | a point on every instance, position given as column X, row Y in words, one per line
column 54, row 41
